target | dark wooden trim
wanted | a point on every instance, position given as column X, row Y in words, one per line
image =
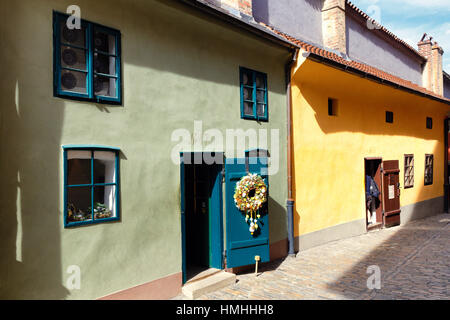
column 391, row 171
column 391, row 213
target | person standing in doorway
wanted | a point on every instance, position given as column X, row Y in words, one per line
column 372, row 194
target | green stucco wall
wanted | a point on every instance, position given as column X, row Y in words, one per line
column 178, row 66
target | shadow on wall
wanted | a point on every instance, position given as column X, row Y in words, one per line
column 32, row 119
column 166, row 19
column 277, row 221
column 362, row 109
column 159, row 30
column 354, row 116
column 30, row 157
column 413, row 263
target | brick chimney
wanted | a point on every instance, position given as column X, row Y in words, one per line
column 333, row 25
column 438, row 72
column 243, row 6
column 432, row 75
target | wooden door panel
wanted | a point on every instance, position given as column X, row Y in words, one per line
column 242, row 247
column 391, row 192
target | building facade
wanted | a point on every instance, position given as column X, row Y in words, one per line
column 364, row 104
column 95, row 198
column 340, row 137
column 122, row 139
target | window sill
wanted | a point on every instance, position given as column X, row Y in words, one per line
column 88, row 222
column 109, row 101
column 254, row 119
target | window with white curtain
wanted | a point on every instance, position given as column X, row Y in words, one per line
column 91, row 185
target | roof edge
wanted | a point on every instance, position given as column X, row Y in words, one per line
column 446, row 75
column 247, row 24
column 321, row 59
column 385, row 30
column 272, row 34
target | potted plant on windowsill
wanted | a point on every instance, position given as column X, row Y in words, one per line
column 101, row 212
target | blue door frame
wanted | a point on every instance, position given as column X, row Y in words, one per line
column 216, row 220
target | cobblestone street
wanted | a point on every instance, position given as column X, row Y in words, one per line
column 414, row 261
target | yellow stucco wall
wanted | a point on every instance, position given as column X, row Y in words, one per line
column 329, row 151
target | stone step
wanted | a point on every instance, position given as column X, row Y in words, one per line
column 214, row 282
column 203, row 274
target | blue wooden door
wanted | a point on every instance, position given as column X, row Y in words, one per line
column 242, row 246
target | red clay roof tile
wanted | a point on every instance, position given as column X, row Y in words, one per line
column 357, row 65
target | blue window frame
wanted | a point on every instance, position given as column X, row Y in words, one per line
column 253, row 86
column 86, row 61
column 91, row 184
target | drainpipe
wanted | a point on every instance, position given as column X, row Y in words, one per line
column 290, row 201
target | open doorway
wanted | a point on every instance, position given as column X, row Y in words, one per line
column 202, row 227
column 446, row 165
column 373, row 192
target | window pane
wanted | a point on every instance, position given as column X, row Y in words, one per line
column 104, row 64
column 79, row 204
column 248, row 94
column 260, row 83
column 261, row 109
column 247, row 78
column 260, row 96
column 78, row 167
column 73, row 81
column 104, row 202
column 104, row 86
column 74, row 37
column 73, row 58
column 104, row 167
column 248, row 108
column 104, row 42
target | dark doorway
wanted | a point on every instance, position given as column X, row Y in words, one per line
column 203, row 217
column 374, row 205
column 446, row 165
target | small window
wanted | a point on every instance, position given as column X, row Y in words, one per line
column 332, row 107
column 253, row 95
column 429, row 123
column 91, row 185
column 409, row 171
column 86, row 61
column 428, row 169
column 389, row 117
